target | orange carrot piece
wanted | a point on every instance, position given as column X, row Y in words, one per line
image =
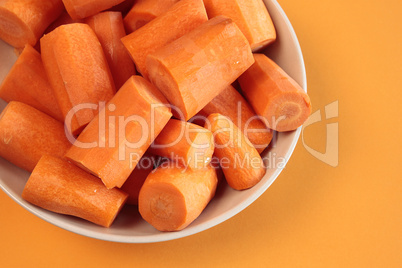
column 26, row 134
column 188, row 144
column 133, row 184
column 24, row 21
column 231, row 103
column 180, row 19
column 275, row 95
column 61, row 187
column 80, row 9
column 27, row 82
column 195, row 68
column 240, row 161
column 108, row 27
column 172, row 197
column 143, row 11
column 113, row 143
column 251, row 16
column 78, row 72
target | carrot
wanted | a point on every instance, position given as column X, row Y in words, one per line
column 195, row 68
column 78, row 72
column 231, row 103
column 275, row 95
column 133, row 184
column 180, row 19
column 24, row 21
column 251, row 16
column 61, row 187
column 187, row 143
column 26, row 134
column 113, row 143
column 108, row 27
column 240, row 161
column 172, row 197
column 27, row 82
column 143, row 11
column 79, row 9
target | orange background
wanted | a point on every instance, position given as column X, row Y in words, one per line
column 314, row 215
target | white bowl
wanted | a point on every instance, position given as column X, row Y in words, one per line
column 129, row 227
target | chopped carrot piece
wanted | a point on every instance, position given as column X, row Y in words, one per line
column 172, row 197
column 275, row 95
column 251, row 16
column 80, row 9
column 27, row 82
column 78, row 72
column 195, row 68
column 231, row 103
column 24, row 21
column 113, row 143
column 143, row 11
column 61, row 187
column 190, row 145
column 27, row 134
column 108, row 27
column 241, row 163
column 180, row 19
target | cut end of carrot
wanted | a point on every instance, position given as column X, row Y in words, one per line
column 14, row 31
column 166, row 209
column 290, row 111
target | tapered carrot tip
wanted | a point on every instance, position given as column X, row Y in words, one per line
column 61, row 187
column 27, row 83
column 275, row 95
column 172, row 197
column 240, row 161
column 23, row 22
column 27, row 134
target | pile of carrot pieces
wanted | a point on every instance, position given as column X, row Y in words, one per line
column 82, row 120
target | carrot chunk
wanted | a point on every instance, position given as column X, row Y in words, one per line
column 240, row 161
column 172, row 197
column 78, row 72
column 180, row 19
column 23, row 22
column 275, row 95
column 190, row 145
column 251, row 16
column 143, row 11
column 108, row 27
column 27, row 82
column 231, row 103
column 27, row 134
column 61, row 187
column 195, row 68
column 113, row 143
column 79, row 9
